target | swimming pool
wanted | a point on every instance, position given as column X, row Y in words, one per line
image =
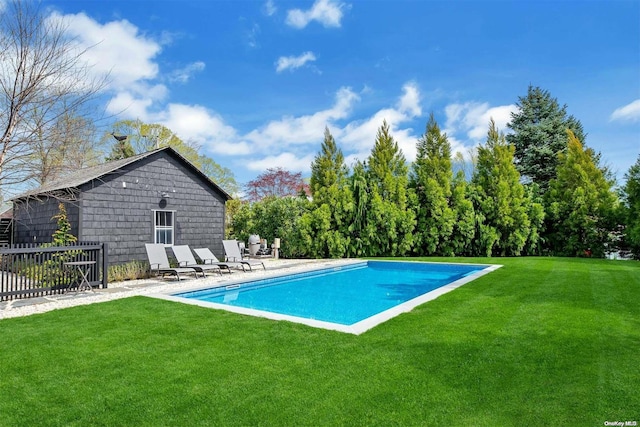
column 350, row 298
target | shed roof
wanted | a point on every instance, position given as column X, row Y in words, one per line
column 6, row 212
column 86, row 175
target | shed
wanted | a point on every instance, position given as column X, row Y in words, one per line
column 154, row 197
column 6, row 214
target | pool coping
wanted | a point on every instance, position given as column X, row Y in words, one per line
column 356, row 328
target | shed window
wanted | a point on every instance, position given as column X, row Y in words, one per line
column 164, row 224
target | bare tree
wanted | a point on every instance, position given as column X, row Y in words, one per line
column 43, row 82
column 69, row 146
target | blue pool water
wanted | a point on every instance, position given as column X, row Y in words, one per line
column 343, row 295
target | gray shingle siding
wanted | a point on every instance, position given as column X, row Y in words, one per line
column 122, row 216
column 34, row 223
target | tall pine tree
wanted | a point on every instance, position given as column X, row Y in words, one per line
column 327, row 223
column 431, row 181
column 360, row 228
column 328, row 168
column 464, row 218
column 580, row 204
column 540, row 134
column 388, row 213
column 500, row 201
column 120, row 150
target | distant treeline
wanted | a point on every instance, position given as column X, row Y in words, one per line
column 536, row 191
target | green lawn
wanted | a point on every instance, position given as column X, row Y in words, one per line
column 541, row 341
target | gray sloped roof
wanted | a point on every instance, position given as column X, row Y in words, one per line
column 6, row 211
column 85, row 175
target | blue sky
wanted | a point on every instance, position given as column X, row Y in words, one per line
column 254, row 83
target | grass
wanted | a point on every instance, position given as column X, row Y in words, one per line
column 541, row 341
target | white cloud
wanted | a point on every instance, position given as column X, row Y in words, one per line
column 192, row 123
column 127, row 105
column 360, row 135
column 294, row 62
column 270, row 8
column 473, row 118
column 303, row 129
column 116, row 48
column 410, row 101
column 208, row 129
column 252, row 36
column 629, row 112
column 168, row 38
column 290, row 142
column 286, row 160
column 134, row 104
column 356, row 138
column 129, row 58
column 182, row 75
column 326, row 12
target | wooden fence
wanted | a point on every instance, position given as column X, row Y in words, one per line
column 29, row 270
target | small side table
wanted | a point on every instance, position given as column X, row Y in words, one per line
column 83, row 267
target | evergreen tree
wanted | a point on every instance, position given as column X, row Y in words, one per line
column 580, row 203
column 535, row 211
column 62, row 236
column 360, row 229
column 431, row 181
column 120, row 150
column 387, row 167
column 464, row 219
column 52, row 272
column 540, row 134
column 499, row 198
column 327, row 223
column 631, row 198
column 328, row 168
column 388, row 224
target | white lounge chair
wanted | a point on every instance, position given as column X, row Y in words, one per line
column 159, row 262
column 232, row 252
column 185, row 259
column 207, row 257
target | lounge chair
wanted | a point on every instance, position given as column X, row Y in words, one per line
column 207, row 257
column 232, row 252
column 185, row 259
column 159, row 262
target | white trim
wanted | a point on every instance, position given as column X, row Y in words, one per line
column 356, row 328
column 156, row 228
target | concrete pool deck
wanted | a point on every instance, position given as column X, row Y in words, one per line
column 117, row 290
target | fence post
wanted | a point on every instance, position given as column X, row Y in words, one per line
column 105, row 265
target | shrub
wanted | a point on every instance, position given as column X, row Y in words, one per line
column 129, row 271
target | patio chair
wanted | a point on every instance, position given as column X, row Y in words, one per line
column 207, row 257
column 185, row 259
column 232, row 252
column 159, row 262
column 244, row 250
